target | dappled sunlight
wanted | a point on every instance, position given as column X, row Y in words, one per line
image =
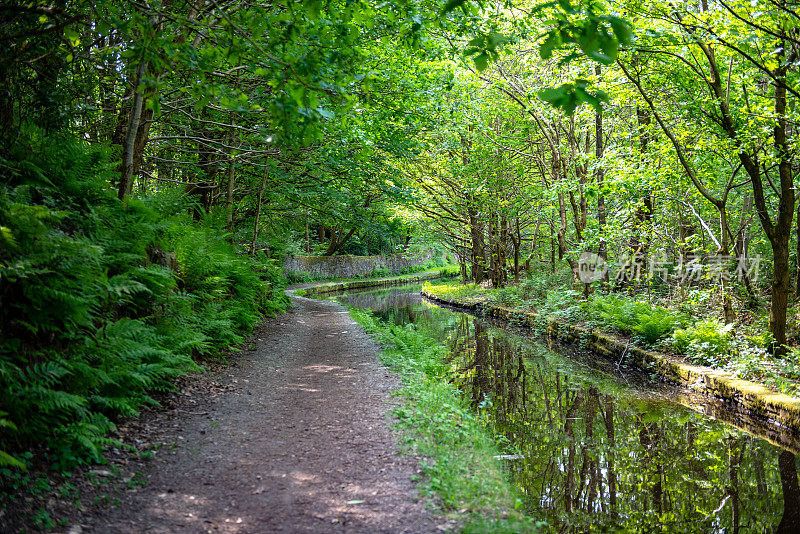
column 322, row 368
column 327, row 497
column 190, row 512
column 303, row 387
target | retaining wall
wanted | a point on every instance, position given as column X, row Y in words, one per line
column 347, row 266
column 333, row 287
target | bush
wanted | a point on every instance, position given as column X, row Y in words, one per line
column 381, row 272
column 707, row 342
column 563, row 304
column 651, row 323
column 508, row 296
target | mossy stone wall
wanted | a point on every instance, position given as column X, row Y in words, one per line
column 347, row 266
column 334, row 287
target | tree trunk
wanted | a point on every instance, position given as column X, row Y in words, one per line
column 478, row 253
column 790, row 522
column 780, row 289
column 734, row 462
column 601, row 200
column 229, row 196
column 129, row 144
column 611, row 473
column 494, row 251
column 562, row 237
column 308, row 234
column 258, row 214
column 517, row 243
column 797, row 254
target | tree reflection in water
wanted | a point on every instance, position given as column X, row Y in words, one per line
column 597, row 454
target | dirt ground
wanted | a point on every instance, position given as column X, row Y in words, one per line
column 295, row 436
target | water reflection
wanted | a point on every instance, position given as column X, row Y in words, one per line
column 389, row 305
column 598, row 457
column 593, row 453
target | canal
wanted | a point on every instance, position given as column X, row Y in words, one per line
column 594, row 446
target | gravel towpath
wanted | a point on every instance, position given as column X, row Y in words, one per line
column 295, row 437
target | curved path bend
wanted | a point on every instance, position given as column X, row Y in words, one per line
column 296, row 439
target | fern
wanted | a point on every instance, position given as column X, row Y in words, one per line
column 651, row 323
column 90, row 327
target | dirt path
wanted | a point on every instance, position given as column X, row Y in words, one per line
column 297, row 440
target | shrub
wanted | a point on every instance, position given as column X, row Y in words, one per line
column 508, row 296
column 562, row 303
column 707, row 342
column 651, row 323
column 656, row 324
column 381, row 272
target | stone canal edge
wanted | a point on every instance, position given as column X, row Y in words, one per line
column 753, row 399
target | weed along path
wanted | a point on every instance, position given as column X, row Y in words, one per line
column 297, row 440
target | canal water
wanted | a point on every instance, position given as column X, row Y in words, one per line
column 595, row 447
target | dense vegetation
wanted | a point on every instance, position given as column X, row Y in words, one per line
column 103, row 302
column 159, row 160
column 677, row 183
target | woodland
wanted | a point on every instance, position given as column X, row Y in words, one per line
column 160, row 159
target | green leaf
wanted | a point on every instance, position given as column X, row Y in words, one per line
column 72, row 36
column 610, row 46
column 567, row 59
column 552, row 42
column 622, row 29
column 588, row 40
column 481, row 62
column 600, row 57
column 566, row 6
column 7, row 459
column 451, row 5
column 297, row 94
column 552, row 94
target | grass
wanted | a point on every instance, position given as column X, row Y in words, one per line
column 460, row 471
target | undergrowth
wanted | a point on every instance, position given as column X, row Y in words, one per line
column 460, row 469
column 103, row 302
column 649, row 323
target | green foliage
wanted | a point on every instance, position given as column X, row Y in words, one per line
column 91, row 323
column 508, row 296
column 563, row 304
column 707, row 342
column 651, row 323
column 381, row 272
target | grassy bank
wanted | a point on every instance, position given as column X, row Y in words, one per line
column 460, row 468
